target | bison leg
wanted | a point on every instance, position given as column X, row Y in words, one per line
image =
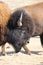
column 3, row 45
column 26, row 50
column 41, row 38
column 3, row 49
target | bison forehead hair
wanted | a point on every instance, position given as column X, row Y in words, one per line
column 26, row 21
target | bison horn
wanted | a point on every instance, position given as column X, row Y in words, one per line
column 20, row 20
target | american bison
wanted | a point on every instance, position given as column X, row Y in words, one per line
column 4, row 17
column 28, row 19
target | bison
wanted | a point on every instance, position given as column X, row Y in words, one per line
column 28, row 19
column 5, row 13
column 4, row 17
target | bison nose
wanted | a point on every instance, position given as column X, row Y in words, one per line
column 17, row 48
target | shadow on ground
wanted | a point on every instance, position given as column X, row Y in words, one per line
column 23, row 52
column 33, row 52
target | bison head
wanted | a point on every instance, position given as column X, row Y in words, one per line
column 17, row 38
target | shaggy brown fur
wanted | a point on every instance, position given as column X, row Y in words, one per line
column 4, row 13
column 4, row 17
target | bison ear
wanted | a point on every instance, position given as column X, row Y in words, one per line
column 19, row 23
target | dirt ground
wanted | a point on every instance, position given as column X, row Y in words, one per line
column 36, row 57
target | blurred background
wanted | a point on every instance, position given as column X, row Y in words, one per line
column 19, row 3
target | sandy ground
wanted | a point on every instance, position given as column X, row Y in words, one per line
column 13, row 4
column 36, row 57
